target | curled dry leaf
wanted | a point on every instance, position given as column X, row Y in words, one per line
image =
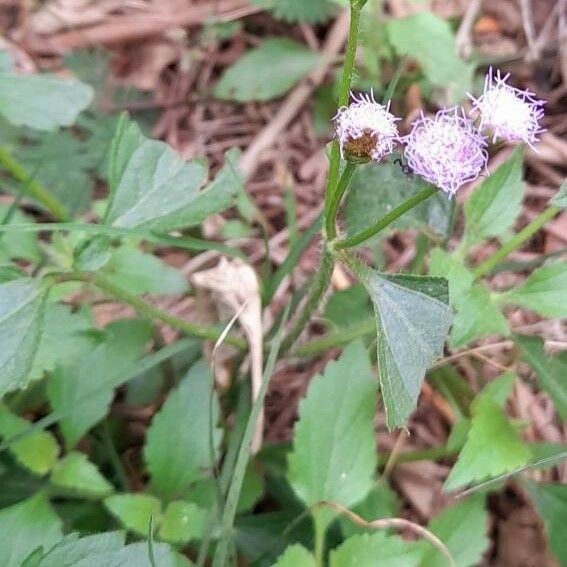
column 235, row 284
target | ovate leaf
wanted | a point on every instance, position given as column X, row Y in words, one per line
column 26, row 526
column 83, row 389
column 16, row 245
column 459, row 278
column 551, row 503
column 157, row 189
column 462, row 528
column 372, row 550
column 333, row 456
column 37, row 451
column 493, row 207
column 267, row 72
column 139, row 272
column 183, row 522
column 551, row 372
column 543, row 292
column 428, row 39
column 22, row 306
column 136, row 555
column 412, row 320
column 296, row 556
column 43, row 102
column 298, row 10
column 133, row 511
column 177, row 450
column 79, row 476
column 492, row 448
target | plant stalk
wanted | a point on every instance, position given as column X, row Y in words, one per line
column 147, row 309
column 388, row 219
column 33, row 188
column 516, row 241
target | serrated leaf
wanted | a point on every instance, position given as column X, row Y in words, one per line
column 15, row 245
column 138, row 272
column 560, row 199
column 551, row 503
column 177, row 450
column 43, row 102
column 550, row 371
column 373, row 550
column 376, row 189
column 83, row 389
column 462, row 528
column 333, row 456
column 429, row 40
column 412, row 320
column 296, row 556
column 22, row 307
column 136, row 555
column 500, row 388
column 476, row 316
column 492, row 448
column 543, row 292
column 152, row 187
column 37, row 452
column 493, row 208
column 134, row 511
column 71, row 549
column 26, row 526
column 314, row 11
column 76, row 474
column 267, row 71
column 183, row 522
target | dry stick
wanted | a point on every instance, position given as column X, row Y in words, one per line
column 297, row 98
column 463, row 37
column 529, row 31
column 132, row 28
column 386, row 523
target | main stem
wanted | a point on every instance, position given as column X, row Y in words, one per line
column 516, row 241
column 393, row 215
column 33, row 188
column 147, row 309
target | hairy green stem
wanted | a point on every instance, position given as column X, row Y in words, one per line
column 320, row 531
column 516, row 241
column 344, row 90
column 388, row 219
column 34, row 189
column 147, row 309
column 336, row 198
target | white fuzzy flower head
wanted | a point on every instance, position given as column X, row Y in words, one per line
column 508, row 113
column 366, row 129
column 446, row 150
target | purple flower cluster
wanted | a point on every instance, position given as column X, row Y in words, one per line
column 449, row 149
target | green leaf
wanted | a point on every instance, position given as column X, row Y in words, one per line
column 154, row 188
column 83, row 389
column 93, row 253
column 500, row 388
column 460, row 279
column 550, row 371
column 267, row 72
column 314, row 11
column 543, row 292
column 137, row 272
column 333, row 456
column 493, row 207
column 14, row 245
column 70, row 550
column 476, row 316
column 429, row 40
column 22, row 306
column 252, row 489
column 348, row 307
column 551, row 503
column 412, row 320
column 462, row 528
column 133, row 511
column 43, row 102
column 25, row 526
column 296, row 556
column 183, row 522
column 560, row 199
column 376, row 189
column 77, row 475
column 373, row 550
column 492, row 448
column 37, row 452
column 177, row 449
